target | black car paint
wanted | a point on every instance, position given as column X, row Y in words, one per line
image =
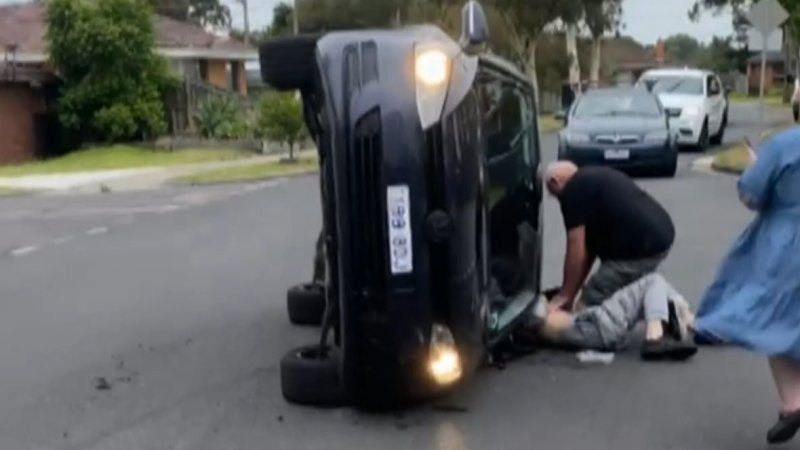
column 389, row 318
column 642, row 154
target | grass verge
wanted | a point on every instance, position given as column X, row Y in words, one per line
column 251, row 172
column 119, row 157
column 549, row 124
column 769, row 99
column 9, row 192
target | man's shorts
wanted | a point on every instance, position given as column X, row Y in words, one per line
column 612, row 276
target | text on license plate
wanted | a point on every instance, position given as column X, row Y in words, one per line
column 617, row 154
column 398, row 206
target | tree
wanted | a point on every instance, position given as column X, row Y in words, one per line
column 601, row 16
column 201, row 12
column 280, row 118
column 682, row 47
column 571, row 14
column 113, row 80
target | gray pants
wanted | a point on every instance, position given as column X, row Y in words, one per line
column 606, row 327
column 613, row 275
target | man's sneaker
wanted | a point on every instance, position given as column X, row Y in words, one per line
column 667, row 349
column 681, row 319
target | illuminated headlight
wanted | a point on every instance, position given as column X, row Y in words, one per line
column 577, row 138
column 444, row 363
column 660, row 136
column 690, row 111
column 432, row 71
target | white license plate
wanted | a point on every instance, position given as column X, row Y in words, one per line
column 617, row 154
column 398, row 205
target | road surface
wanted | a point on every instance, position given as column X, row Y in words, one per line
column 156, row 320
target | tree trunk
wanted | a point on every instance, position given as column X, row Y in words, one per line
column 530, row 67
column 291, row 150
column 594, row 69
column 572, row 55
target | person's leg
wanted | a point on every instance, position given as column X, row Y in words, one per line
column 614, row 275
column 786, row 374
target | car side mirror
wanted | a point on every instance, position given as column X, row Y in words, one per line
column 474, row 26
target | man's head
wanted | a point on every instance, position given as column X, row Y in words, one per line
column 558, row 175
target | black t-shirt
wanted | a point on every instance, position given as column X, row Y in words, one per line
column 622, row 221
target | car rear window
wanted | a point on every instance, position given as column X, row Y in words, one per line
column 617, row 104
column 674, row 84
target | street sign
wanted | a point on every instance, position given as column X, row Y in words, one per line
column 766, row 15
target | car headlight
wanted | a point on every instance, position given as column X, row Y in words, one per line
column 577, row 138
column 659, row 136
column 432, row 71
column 691, row 111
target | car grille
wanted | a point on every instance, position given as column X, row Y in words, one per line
column 365, row 177
column 615, row 139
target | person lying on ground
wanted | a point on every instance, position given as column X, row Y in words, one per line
column 607, row 327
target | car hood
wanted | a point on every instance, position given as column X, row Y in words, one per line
column 618, row 124
column 680, row 100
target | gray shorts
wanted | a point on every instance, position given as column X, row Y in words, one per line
column 612, row 276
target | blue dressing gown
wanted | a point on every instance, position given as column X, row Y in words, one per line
column 754, row 302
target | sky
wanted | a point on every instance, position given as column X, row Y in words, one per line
column 645, row 20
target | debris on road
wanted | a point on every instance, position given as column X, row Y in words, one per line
column 593, row 357
column 101, row 384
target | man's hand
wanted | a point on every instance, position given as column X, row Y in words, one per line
column 560, row 302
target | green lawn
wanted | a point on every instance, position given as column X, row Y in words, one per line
column 120, row 157
column 549, row 124
column 7, row 192
column 736, row 158
column 252, row 172
column 770, row 99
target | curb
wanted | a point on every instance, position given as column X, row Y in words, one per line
column 296, row 174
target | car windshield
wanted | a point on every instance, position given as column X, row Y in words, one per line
column 675, row 84
column 617, row 104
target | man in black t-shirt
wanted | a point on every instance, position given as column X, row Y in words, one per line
column 608, row 217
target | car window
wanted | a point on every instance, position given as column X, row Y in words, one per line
column 617, row 104
column 713, row 86
column 675, row 84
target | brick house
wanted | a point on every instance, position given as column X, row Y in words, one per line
column 26, row 80
column 775, row 74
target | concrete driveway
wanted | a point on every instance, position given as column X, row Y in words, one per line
column 157, row 320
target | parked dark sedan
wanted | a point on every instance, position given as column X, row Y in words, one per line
column 625, row 128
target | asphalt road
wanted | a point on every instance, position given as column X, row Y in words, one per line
column 157, row 320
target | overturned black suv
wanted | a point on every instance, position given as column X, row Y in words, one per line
column 430, row 254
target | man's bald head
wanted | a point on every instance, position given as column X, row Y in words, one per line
column 557, row 175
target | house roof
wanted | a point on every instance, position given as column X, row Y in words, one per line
column 773, row 56
column 22, row 28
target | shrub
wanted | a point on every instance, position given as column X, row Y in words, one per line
column 280, row 118
column 220, row 117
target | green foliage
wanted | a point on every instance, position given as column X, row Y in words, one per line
column 221, row 117
column 113, row 81
column 280, row 118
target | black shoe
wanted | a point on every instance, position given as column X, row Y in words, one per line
column 785, row 428
column 666, row 348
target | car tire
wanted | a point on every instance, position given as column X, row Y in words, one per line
column 306, row 304
column 311, row 377
column 720, row 136
column 669, row 169
column 287, row 63
column 703, row 140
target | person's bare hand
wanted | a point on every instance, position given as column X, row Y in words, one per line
column 559, row 302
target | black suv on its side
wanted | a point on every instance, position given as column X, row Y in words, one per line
column 430, row 254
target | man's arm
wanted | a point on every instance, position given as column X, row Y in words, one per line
column 577, row 264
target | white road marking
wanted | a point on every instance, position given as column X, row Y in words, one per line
column 96, row 230
column 62, row 240
column 22, row 251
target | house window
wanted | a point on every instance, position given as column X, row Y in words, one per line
column 203, row 70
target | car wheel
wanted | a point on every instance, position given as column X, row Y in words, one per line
column 306, row 304
column 287, row 63
column 720, row 136
column 703, row 140
column 311, row 377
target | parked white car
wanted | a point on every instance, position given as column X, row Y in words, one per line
column 694, row 100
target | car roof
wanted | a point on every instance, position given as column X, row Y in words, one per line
column 686, row 72
column 617, row 90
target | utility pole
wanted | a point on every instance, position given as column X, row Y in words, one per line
column 246, row 9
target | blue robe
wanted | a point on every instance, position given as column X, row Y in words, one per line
column 754, row 302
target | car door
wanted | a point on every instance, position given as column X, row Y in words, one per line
column 715, row 103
